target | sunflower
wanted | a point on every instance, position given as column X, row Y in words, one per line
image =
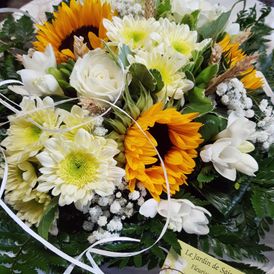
column 176, row 138
column 235, row 54
column 79, row 19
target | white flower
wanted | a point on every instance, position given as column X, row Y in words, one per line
column 101, row 234
column 135, row 195
column 136, row 33
column 115, row 225
column 97, row 76
column 179, row 39
column 183, row 215
column 95, row 213
column 115, row 207
column 102, row 221
column 209, row 10
column 22, row 196
column 35, row 77
column 229, row 153
column 175, row 81
column 25, row 138
column 76, row 170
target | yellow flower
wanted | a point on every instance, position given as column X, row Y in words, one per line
column 234, row 54
column 175, row 136
column 74, row 120
column 79, row 19
column 251, row 80
column 25, row 138
column 20, row 194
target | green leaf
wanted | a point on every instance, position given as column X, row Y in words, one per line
column 214, row 28
column 191, row 19
column 198, row 102
column 158, row 77
column 4, row 270
column 263, row 201
column 140, row 74
column 170, row 237
column 48, row 218
column 225, row 201
column 124, row 51
column 206, row 175
column 162, row 7
column 212, row 125
column 207, row 75
column 137, row 260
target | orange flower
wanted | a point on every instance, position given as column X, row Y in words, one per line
column 79, row 19
column 176, row 138
column 234, row 54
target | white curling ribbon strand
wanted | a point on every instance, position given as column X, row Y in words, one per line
column 266, row 87
column 13, row 10
column 76, row 261
column 106, row 253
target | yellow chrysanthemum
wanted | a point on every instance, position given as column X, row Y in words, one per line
column 176, row 138
column 25, row 138
column 81, row 18
column 22, row 196
column 234, row 54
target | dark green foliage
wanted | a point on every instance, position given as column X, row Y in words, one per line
column 28, row 254
column 250, row 19
column 163, row 7
column 15, row 38
column 267, row 67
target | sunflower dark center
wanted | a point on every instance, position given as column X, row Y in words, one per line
column 68, row 42
column 161, row 135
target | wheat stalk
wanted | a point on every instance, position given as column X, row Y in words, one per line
column 149, row 8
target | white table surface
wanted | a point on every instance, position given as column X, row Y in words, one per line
column 37, row 9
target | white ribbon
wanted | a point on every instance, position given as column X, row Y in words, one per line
column 92, row 249
column 13, row 10
column 266, row 87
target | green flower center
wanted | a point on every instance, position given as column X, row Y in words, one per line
column 135, row 35
column 32, row 133
column 182, row 47
column 78, row 168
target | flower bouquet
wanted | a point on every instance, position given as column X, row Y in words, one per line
column 127, row 126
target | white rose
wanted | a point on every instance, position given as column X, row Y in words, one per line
column 229, row 153
column 35, row 77
column 183, row 215
column 96, row 75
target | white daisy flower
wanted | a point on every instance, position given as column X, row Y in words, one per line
column 25, row 138
column 175, row 81
column 20, row 194
column 180, row 39
column 78, row 169
column 74, row 120
column 136, row 33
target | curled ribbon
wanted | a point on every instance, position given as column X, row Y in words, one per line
column 93, row 248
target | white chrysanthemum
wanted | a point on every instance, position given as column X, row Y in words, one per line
column 180, row 39
column 20, row 194
column 77, row 169
column 25, row 138
column 21, row 180
column 175, row 82
column 75, row 119
column 136, row 33
column 30, row 209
